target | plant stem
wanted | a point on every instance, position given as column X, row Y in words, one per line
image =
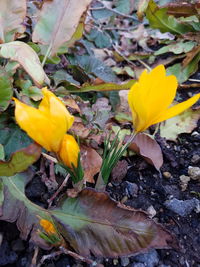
column 47, row 54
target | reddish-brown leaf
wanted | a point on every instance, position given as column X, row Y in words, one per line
column 93, row 224
column 91, row 162
column 148, row 148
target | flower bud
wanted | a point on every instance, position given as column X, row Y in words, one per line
column 69, row 151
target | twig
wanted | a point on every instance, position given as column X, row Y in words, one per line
column 189, row 85
column 49, row 157
column 58, row 191
column 129, row 61
column 50, row 256
column 34, row 259
column 77, row 257
column 194, row 80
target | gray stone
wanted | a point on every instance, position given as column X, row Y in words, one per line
column 182, row 207
column 131, row 189
column 149, row 259
column 194, row 172
column 124, row 261
column 195, row 159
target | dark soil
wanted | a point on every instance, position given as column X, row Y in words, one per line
column 143, row 187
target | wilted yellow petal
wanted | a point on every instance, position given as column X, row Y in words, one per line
column 69, row 151
column 177, row 109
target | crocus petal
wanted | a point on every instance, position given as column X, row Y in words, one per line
column 177, row 109
column 53, row 107
column 69, row 151
column 151, row 96
column 38, row 126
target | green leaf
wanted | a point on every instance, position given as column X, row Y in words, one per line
column 12, row 138
column 181, row 73
column 123, row 6
column 93, row 224
column 98, row 88
column 6, row 89
column 159, row 19
column 92, row 65
column 2, row 153
column 20, row 160
column 176, row 48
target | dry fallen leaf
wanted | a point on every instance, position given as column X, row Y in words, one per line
column 12, row 14
column 91, row 162
column 58, row 21
column 28, row 59
column 185, row 122
column 148, row 148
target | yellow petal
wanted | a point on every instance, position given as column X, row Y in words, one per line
column 54, row 107
column 48, row 226
column 69, row 151
column 36, row 124
column 151, row 96
column 177, row 109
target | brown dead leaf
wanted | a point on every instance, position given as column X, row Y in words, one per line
column 91, row 162
column 94, row 224
column 148, row 148
column 58, row 21
column 71, row 103
column 190, row 55
column 182, row 9
column 79, row 129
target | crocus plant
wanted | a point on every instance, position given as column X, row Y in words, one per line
column 47, row 125
column 151, row 97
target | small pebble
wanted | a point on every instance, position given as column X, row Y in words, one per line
column 167, row 175
column 115, row 261
column 184, row 182
column 130, row 189
column 125, row 261
column 182, row 207
column 194, row 173
column 151, row 212
column 149, row 259
column 195, row 159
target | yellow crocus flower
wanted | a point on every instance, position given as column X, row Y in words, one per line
column 150, row 98
column 48, row 124
column 48, row 227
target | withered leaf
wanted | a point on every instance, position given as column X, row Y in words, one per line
column 58, row 21
column 91, row 162
column 20, row 160
column 28, row 59
column 185, row 122
column 148, row 148
column 12, row 14
column 16, row 207
column 93, row 224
